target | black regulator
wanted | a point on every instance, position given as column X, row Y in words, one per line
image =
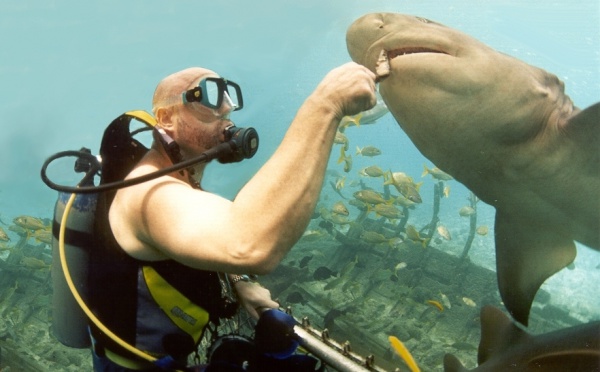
column 243, row 142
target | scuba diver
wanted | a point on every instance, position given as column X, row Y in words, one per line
column 161, row 247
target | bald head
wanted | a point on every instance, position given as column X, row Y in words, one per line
column 174, row 84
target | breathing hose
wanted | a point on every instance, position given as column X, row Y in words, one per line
column 222, row 149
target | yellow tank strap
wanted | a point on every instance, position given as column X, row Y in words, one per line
column 143, row 116
column 188, row 316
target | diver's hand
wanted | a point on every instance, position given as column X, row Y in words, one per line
column 348, row 89
column 254, row 298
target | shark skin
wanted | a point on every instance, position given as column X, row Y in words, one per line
column 504, row 129
column 505, row 347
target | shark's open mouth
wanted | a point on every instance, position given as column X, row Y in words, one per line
column 382, row 65
column 391, row 54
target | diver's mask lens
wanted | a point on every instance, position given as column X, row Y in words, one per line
column 212, row 92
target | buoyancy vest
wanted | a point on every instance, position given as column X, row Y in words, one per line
column 160, row 307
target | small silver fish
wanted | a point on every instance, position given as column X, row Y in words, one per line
column 368, row 151
column 466, row 211
column 444, row 233
column 437, row 173
column 469, row 302
column 3, row 236
column 340, row 208
column 482, row 230
column 371, row 171
column 445, row 301
column 400, row 266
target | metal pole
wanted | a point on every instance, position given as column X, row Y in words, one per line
column 327, row 352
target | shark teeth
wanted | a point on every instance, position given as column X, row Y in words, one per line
column 410, row 50
column 382, row 67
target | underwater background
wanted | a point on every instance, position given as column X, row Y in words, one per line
column 69, row 68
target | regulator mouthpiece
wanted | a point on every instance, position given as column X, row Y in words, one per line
column 243, row 141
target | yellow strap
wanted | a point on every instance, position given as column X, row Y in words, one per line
column 188, row 316
column 142, row 116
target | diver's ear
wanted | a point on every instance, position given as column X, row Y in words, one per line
column 165, row 117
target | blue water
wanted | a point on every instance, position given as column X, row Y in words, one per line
column 69, row 67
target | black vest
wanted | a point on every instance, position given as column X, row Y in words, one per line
column 121, row 299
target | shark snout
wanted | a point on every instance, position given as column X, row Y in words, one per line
column 363, row 33
column 373, row 40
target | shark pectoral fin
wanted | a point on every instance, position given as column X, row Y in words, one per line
column 527, row 253
column 583, row 130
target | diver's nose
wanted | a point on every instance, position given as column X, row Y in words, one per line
column 229, row 102
column 227, row 106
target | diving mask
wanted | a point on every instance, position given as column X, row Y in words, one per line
column 212, row 92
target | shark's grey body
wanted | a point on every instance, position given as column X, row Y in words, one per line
column 505, row 347
column 501, row 127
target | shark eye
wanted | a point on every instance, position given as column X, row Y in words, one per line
column 424, row 20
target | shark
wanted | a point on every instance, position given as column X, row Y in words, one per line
column 504, row 129
column 506, row 347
